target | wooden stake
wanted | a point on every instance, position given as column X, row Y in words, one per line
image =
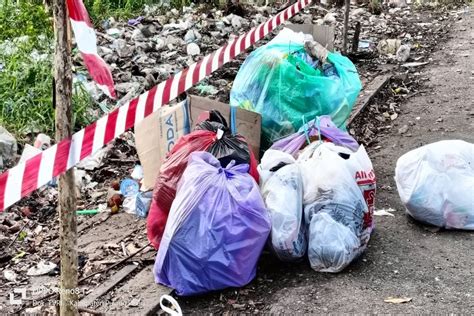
column 67, row 196
column 346, row 25
column 355, row 39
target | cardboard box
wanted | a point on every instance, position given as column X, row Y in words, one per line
column 322, row 34
column 156, row 134
column 249, row 124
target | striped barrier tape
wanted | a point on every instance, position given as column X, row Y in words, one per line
column 37, row 171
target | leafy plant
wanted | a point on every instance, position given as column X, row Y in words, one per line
column 26, row 73
column 23, row 18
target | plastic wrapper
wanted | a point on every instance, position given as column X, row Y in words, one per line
column 323, row 125
column 213, row 136
column 217, row 228
column 436, row 184
column 280, row 85
column 338, row 217
column 282, row 191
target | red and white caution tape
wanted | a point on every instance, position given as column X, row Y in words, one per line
column 40, row 169
column 87, row 45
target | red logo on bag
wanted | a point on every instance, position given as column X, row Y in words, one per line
column 363, row 177
column 366, row 181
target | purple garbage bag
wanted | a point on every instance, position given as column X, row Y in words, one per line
column 293, row 143
column 216, row 229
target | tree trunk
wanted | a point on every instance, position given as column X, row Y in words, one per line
column 346, row 25
column 67, row 195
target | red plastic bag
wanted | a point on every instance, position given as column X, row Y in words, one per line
column 214, row 137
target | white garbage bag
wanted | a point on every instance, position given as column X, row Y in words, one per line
column 436, row 183
column 359, row 165
column 282, row 190
column 337, row 215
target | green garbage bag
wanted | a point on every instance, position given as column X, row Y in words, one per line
column 283, row 84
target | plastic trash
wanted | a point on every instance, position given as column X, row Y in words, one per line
column 282, row 87
column 336, row 213
column 293, row 143
column 212, row 135
column 436, row 184
column 216, row 229
column 282, row 191
column 357, row 163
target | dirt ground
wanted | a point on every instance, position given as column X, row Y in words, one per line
column 404, row 258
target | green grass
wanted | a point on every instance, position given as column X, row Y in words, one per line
column 26, row 74
column 100, row 10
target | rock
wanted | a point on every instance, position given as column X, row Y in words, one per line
column 403, row 129
column 181, row 26
column 114, row 32
column 125, row 87
column 38, row 229
column 137, row 35
column 122, row 49
column 236, row 22
column 15, row 228
column 329, row 18
column 3, row 228
column 148, row 30
column 357, row 12
column 172, row 40
column 160, row 44
column 227, row 19
column 8, row 147
column 397, row 3
column 134, row 302
column 104, row 50
column 193, row 49
column 403, row 53
column 174, row 12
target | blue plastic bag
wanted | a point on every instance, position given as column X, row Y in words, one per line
column 216, row 229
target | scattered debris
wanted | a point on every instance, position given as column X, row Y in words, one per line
column 42, row 268
column 403, row 129
column 389, row 46
column 403, row 53
column 134, row 302
column 414, row 64
column 8, row 148
column 10, row 275
column 384, row 212
column 395, row 300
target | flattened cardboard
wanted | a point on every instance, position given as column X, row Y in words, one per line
column 322, row 34
column 248, row 123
